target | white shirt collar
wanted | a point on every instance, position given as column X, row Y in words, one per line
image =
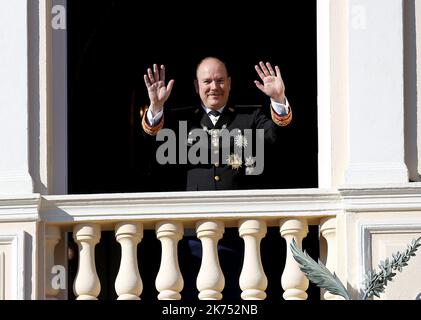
column 207, row 110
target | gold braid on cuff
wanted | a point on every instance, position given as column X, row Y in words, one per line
column 281, row 121
column 152, row 131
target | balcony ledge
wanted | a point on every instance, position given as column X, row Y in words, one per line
column 271, row 205
column 264, row 204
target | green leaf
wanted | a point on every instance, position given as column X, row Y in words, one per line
column 375, row 283
column 318, row 273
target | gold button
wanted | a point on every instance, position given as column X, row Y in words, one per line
column 216, row 164
column 217, row 178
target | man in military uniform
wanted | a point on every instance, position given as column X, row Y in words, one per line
column 213, row 85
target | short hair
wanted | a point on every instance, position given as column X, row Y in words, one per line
column 212, row 57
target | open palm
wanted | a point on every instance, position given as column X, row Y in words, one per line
column 273, row 85
column 158, row 92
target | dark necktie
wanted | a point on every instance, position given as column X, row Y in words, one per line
column 214, row 113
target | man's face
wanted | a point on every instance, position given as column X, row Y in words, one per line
column 213, row 84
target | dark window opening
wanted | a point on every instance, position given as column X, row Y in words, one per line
column 110, row 45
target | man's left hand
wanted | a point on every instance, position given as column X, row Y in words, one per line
column 273, row 85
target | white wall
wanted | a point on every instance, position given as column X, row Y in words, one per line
column 412, row 67
column 19, row 274
column 418, row 43
column 376, row 100
column 332, row 92
column 14, row 167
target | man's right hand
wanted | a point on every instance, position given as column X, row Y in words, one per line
column 157, row 90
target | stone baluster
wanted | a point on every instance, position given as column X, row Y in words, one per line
column 87, row 285
column 253, row 281
column 128, row 283
column 328, row 231
column 294, row 282
column 210, row 280
column 52, row 237
column 169, row 281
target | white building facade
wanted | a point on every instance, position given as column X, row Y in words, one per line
column 367, row 206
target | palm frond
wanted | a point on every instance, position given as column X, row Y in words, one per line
column 375, row 283
column 318, row 273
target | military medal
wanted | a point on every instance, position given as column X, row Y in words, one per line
column 215, row 134
column 234, row 160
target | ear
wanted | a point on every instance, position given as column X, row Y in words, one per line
column 196, row 86
column 229, row 83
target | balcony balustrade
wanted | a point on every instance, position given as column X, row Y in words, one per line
column 208, row 213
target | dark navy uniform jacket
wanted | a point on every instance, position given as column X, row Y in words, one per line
column 211, row 176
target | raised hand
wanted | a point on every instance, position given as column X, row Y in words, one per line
column 157, row 90
column 273, row 85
